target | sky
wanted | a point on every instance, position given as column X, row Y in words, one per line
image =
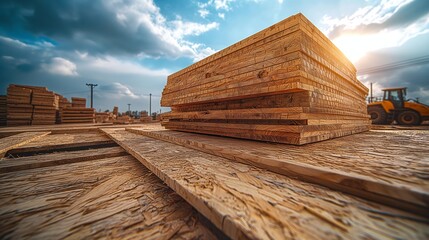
column 129, row 47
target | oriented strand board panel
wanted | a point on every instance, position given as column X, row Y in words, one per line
column 388, row 167
column 248, row 202
column 110, row 198
column 68, row 138
column 20, row 139
column 58, row 158
column 287, row 83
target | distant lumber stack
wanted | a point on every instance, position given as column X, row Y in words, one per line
column 19, row 108
column 288, row 83
column 3, row 115
column 45, row 106
column 78, row 113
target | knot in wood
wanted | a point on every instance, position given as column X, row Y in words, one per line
column 262, row 74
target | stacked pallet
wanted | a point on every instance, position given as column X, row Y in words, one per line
column 78, row 102
column 19, row 108
column 45, row 106
column 3, row 115
column 287, row 83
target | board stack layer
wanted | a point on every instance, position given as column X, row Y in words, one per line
column 62, row 103
column 19, row 108
column 288, row 83
column 78, row 102
column 45, row 106
column 103, row 117
column 78, row 113
column 144, row 117
column 3, row 115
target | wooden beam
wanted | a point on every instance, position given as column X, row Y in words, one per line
column 248, row 202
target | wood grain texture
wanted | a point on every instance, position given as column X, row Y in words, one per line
column 110, row 198
column 377, row 166
column 18, row 140
column 248, row 202
column 55, row 159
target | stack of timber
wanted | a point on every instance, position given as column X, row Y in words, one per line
column 3, row 115
column 124, row 119
column 78, row 115
column 144, row 117
column 78, row 102
column 63, row 103
column 19, row 108
column 287, row 83
column 103, row 117
column 45, row 106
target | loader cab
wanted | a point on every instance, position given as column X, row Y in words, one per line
column 396, row 96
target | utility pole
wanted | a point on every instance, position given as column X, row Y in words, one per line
column 92, row 86
column 370, row 93
column 150, row 104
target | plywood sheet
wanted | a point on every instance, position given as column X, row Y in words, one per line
column 18, row 140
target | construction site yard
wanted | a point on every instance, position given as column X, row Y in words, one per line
column 143, row 181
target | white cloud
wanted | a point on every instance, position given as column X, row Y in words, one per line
column 203, row 12
column 60, row 66
column 223, row 4
column 280, row 1
column 111, row 64
column 221, row 15
column 16, row 43
column 368, row 29
column 119, row 90
column 135, row 15
column 205, row 52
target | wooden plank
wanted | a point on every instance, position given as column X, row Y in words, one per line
column 248, row 202
column 18, row 140
column 342, row 164
column 58, row 158
column 111, row 198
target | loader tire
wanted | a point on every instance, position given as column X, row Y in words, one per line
column 378, row 115
column 408, row 117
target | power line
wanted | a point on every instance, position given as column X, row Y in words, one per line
column 395, row 65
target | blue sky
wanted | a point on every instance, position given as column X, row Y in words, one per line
column 129, row 47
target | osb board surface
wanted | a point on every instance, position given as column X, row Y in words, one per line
column 114, row 198
column 392, row 156
column 248, row 202
column 67, row 138
column 58, row 158
column 20, row 139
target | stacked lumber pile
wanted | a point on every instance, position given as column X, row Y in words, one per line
column 78, row 102
column 103, row 117
column 77, row 115
column 124, row 119
column 62, row 103
column 3, row 115
column 144, row 117
column 287, row 83
column 19, row 108
column 45, row 106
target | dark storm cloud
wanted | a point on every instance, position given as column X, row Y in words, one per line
column 90, row 26
column 404, row 16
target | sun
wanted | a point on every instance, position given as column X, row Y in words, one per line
column 354, row 47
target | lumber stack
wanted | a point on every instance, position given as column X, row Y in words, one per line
column 3, row 115
column 19, row 108
column 62, row 103
column 45, row 106
column 103, row 117
column 287, row 83
column 144, row 117
column 77, row 115
column 78, row 102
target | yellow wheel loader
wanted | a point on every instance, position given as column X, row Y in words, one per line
column 395, row 107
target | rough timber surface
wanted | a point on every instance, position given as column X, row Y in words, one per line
column 388, row 167
column 54, row 159
column 248, row 202
column 109, row 198
column 18, row 140
column 68, row 138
